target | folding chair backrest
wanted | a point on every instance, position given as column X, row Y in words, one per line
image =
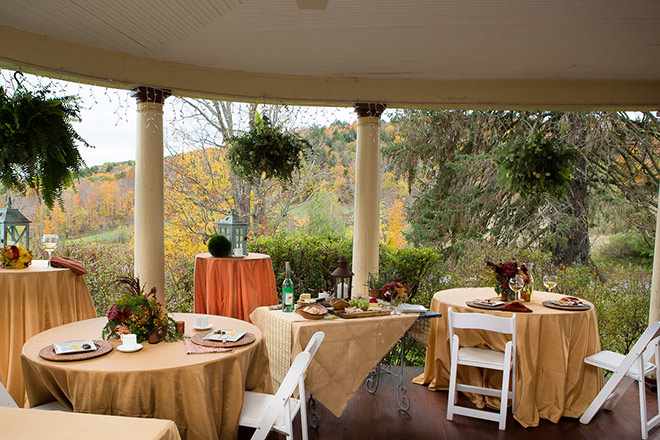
column 641, row 347
column 481, row 321
column 650, row 350
column 284, row 392
column 5, row 398
column 314, row 342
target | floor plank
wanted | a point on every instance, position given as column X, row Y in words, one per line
column 372, row 417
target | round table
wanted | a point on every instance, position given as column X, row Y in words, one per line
column 201, row 393
column 234, row 286
column 552, row 379
column 33, row 300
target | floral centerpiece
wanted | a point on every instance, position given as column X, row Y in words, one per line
column 140, row 314
column 503, row 272
column 15, row 256
column 395, row 292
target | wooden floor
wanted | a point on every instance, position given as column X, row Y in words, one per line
column 378, row 417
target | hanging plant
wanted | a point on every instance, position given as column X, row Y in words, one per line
column 266, row 151
column 38, row 144
column 536, row 164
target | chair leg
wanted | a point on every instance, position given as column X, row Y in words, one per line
column 506, row 374
column 303, row 408
column 642, row 400
column 453, row 372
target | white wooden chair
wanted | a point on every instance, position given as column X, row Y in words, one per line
column 628, row 369
column 7, row 401
column 266, row 411
column 484, row 358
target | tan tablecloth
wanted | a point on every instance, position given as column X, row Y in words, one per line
column 350, row 350
column 551, row 377
column 234, row 286
column 201, row 393
column 57, row 425
column 33, row 300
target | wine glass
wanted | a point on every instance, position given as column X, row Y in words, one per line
column 550, row 282
column 49, row 242
column 516, row 284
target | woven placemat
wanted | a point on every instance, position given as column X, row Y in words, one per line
column 198, row 339
column 579, row 307
column 102, row 347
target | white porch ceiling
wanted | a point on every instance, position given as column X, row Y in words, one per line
column 433, row 53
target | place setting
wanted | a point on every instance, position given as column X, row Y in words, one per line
column 76, row 350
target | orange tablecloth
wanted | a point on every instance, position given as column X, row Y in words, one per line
column 552, row 379
column 234, row 286
column 33, row 300
column 201, row 393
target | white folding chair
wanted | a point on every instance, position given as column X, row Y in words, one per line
column 266, row 411
column 483, row 358
column 7, row 401
column 632, row 367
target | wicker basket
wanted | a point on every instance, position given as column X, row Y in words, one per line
column 304, row 314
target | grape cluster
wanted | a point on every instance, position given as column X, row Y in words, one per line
column 359, row 303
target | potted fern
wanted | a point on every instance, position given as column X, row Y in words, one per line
column 37, row 143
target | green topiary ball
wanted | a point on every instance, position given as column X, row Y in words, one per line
column 219, row 246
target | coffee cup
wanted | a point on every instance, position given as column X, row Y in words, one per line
column 129, row 341
column 202, row 321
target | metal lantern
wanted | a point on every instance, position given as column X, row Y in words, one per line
column 342, row 278
column 14, row 226
column 235, row 229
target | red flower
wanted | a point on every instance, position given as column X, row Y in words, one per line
column 124, row 315
column 15, row 252
column 113, row 313
column 508, row 269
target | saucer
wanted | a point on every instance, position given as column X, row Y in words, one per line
column 207, row 327
column 125, row 350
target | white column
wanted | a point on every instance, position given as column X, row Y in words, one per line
column 149, row 250
column 366, row 223
column 654, row 306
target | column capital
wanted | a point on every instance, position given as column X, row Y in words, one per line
column 369, row 109
column 150, row 94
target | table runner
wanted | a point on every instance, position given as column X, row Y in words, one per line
column 33, row 300
column 18, row 423
column 350, row 350
column 552, row 379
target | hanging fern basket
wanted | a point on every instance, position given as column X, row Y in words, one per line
column 38, row 144
column 267, row 152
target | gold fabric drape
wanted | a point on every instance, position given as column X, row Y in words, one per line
column 33, row 300
column 201, row 393
column 552, row 379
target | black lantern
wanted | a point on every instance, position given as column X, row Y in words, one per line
column 14, row 227
column 235, row 230
column 342, row 279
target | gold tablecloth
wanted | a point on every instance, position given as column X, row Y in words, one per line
column 57, row 425
column 350, row 350
column 33, row 300
column 551, row 377
column 201, row 393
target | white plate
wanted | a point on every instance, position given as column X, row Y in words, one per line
column 126, row 350
column 208, row 327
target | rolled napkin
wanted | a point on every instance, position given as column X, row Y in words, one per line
column 515, row 306
column 192, row 348
column 74, row 265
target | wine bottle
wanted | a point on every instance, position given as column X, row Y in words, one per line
column 287, row 290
